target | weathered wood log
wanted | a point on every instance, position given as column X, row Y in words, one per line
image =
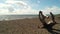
column 46, row 25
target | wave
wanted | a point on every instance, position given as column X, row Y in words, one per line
column 14, row 17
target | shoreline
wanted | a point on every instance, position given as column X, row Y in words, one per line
column 17, row 19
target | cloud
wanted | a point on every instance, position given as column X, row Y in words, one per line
column 21, row 7
column 26, row 8
column 9, row 7
column 16, row 2
column 53, row 9
column 6, row 7
column 3, row 11
column 25, row 11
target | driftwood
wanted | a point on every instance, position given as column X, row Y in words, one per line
column 50, row 25
column 42, row 19
column 53, row 17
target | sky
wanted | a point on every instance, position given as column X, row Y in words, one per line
column 22, row 7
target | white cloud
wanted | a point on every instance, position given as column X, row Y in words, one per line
column 53, row 9
column 16, row 2
column 4, row 5
column 25, row 11
column 3, row 11
column 9, row 8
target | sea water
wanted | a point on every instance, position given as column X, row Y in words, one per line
column 13, row 17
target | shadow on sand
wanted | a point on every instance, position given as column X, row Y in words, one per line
column 46, row 26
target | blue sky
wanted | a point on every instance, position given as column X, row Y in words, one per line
column 29, row 6
column 44, row 3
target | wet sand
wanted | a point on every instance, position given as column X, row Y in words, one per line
column 24, row 26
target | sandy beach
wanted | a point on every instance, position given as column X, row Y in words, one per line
column 24, row 26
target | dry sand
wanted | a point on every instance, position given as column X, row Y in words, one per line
column 24, row 26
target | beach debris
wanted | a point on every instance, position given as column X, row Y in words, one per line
column 47, row 25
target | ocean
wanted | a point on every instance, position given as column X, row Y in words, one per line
column 14, row 17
